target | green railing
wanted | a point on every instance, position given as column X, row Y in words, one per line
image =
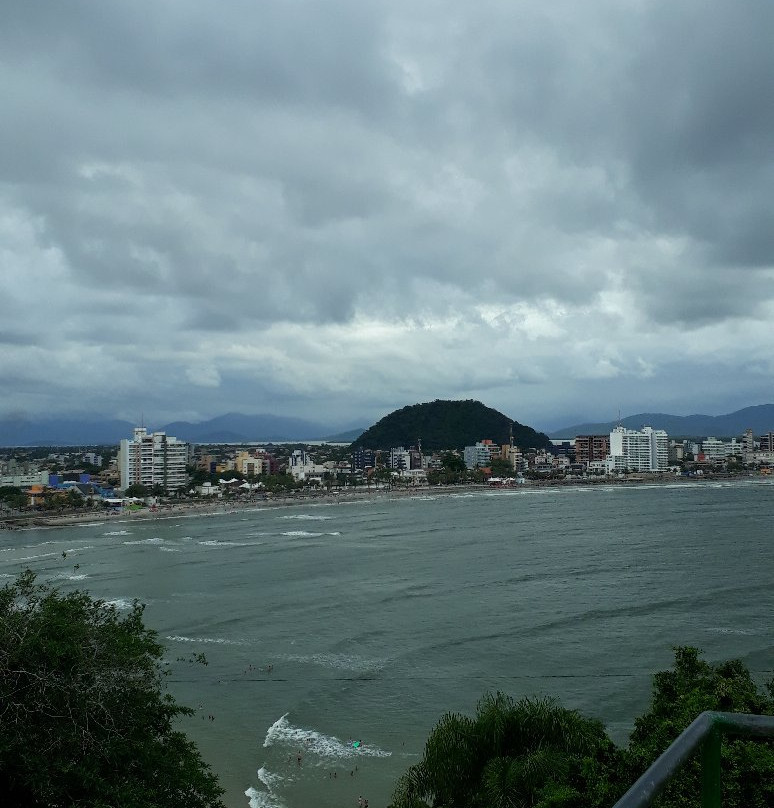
column 705, row 732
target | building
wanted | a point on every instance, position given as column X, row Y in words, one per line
column 480, row 455
column 633, row 450
column 302, row 467
column 767, row 442
column 591, row 447
column 748, row 446
column 400, row 459
column 363, row 459
column 152, row 459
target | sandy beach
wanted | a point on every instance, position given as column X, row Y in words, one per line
column 220, row 506
column 215, row 507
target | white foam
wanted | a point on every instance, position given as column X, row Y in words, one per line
column 268, row 778
column 76, row 549
column 121, row 604
column 33, row 557
column 211, row 640
column 310, row 517
column 283, row 733
column 262, row 799
column 169, row 549
column 154, row 540
column 217, row 543
column 345, row 662
column 66, row 577
column 90, row 524
column 118, row 533
column 301, row 533
column 722, row 630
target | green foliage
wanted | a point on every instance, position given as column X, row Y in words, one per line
column 679, row 695
column 536, row 754
column 512, row 754
column 137, row 490
column 501, row 468
column 84, row 720
column 13, row 497
column 447, row 425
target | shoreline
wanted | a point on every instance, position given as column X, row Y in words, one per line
column 220, row 507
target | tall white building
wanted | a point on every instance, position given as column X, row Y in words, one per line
column 153, row 459
column 633, row 450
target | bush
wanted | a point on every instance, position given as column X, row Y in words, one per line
column 84, row 720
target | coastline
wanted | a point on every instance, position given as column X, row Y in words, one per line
column 220, row 507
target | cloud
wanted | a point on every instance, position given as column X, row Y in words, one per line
column 335, row 209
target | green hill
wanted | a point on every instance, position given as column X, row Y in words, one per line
column 447, row 425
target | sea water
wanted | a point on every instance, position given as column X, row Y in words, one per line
column 331, row 625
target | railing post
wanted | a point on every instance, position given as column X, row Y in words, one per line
column 710, row 769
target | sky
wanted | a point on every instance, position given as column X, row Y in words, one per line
column 334, row 208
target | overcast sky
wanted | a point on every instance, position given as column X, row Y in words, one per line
column 333, row 208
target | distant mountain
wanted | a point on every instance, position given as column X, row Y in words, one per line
column 346, row 437
column 230, row 428
column 447, row 425
column 759, row 418
column 17, row 431
column 235, row 428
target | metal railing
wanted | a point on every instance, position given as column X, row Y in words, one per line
column 706, row 732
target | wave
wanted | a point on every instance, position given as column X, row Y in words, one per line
column 118, row 533
column 283, row 733
column 301, row 533
column 121, row 604
column 309, row 517
column 345, row 662
column 154, row 540
column 217, row 543
column 262, row 799
column 210, row 640
column 33, row 557
column 90, row 524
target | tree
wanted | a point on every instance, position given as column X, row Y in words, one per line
column 84, row 720
column 536, row 754
column 679, row 695
column 137, row 490
column 513, row 754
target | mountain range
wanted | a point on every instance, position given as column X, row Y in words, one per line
column 236, row 427
column 229, row 428
column 759, row 418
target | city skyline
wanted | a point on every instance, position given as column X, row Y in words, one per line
column 333, row 210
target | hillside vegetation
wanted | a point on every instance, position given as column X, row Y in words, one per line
column 447, row 425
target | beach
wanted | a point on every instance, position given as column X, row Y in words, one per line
column 215, row 506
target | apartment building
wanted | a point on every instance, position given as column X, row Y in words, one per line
column 152, row 459
column 634, row 450
column 591, row 447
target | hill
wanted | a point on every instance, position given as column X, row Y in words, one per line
column 759, row 418
column 447, row 425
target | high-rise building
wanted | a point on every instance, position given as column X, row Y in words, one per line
column 633, row 450
column 152, row 459
column 591, row 447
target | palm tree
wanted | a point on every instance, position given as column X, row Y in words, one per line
column 531, row 753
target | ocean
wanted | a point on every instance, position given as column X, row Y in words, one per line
column 328, row 625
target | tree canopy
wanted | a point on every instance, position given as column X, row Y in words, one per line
column 84, row 719
column 447, row 425
column 537, row 754
column 679, row 695
column 512, row 754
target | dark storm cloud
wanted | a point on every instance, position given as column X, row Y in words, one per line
column 207, row 192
